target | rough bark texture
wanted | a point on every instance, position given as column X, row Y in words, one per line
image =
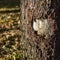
column 37, row 47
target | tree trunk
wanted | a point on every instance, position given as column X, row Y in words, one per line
column 37, row 45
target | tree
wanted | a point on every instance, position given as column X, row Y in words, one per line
column 38, row 44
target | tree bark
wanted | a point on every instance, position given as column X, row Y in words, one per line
column 37, row 47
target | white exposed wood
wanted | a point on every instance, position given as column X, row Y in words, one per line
column 35, row 26
column 41, row 26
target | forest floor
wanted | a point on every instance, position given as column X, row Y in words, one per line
column 10, row 34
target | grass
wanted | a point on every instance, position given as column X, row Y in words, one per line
column 9, row 9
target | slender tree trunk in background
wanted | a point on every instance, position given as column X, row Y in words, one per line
column 37, row 47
